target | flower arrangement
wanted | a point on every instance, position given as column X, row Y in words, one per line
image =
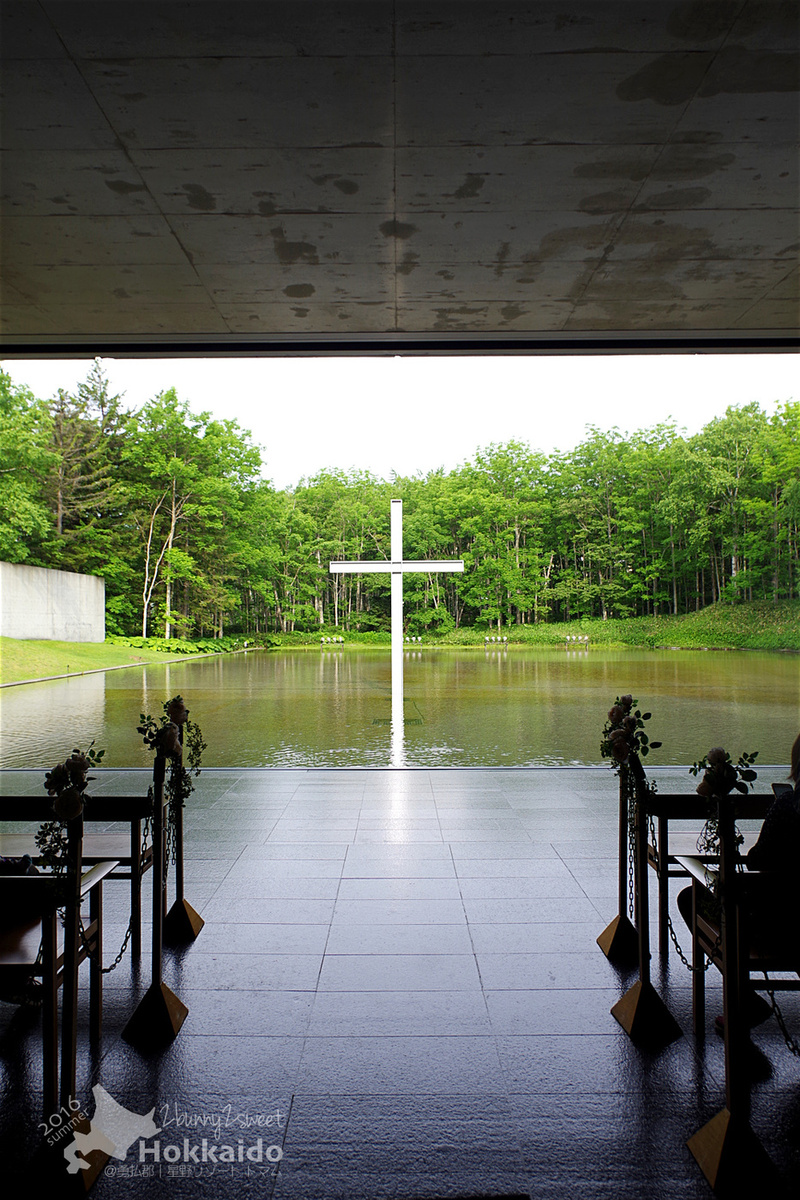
column 67, row 782
column 174, row 736
column 720, row 777
column 623, row 733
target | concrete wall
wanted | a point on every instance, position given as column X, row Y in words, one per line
column 55, row 605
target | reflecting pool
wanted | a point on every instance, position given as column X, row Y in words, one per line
column 321, row 707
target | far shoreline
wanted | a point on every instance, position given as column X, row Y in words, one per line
column 755, row 625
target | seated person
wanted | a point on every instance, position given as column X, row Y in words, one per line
column 773, row 894
column 776, row 856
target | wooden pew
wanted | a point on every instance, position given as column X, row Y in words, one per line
column 641, row 1012
column 62, row 952
column 667, row 848
column 756, row 956
column 132, row 855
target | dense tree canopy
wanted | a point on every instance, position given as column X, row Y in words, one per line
column 170, row 507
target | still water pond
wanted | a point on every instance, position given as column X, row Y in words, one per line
column 476, row 707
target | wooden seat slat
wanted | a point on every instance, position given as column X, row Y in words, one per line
column 697, row 867
column 97, row 871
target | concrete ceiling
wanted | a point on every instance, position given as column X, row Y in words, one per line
column 538, row 174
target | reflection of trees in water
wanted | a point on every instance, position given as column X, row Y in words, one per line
column 320, row 707
column 44, row 722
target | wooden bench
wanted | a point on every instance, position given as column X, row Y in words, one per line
column 132, row 854
column 40, row 948
column 754, row 958
column 666, row 849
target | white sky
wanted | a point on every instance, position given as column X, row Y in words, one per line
column 414, row 414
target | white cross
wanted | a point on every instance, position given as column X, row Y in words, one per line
column 397, row 567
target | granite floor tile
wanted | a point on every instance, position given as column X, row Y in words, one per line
column 262, row 938
column 244, row 972
column 272, row 887
column 570, row 937
column 595, row 1063
column 276, row 911
column 413, row 1066
column 397, row 938
column 245, row 870
column 398, row 868
column 539, row 867
column 399, row 911
column 400, row 889
column 546, row 969
column 399, row 973
column 526, row 887
column 544, row 909
column 244, row 1014
column 378, row 855
column 572, row 1011
column 397, row 837
column 390, row 1013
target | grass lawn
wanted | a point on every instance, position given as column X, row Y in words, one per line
column 757, row 625
column 23, row 660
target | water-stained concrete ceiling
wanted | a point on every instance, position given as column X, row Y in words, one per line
column 399, row 173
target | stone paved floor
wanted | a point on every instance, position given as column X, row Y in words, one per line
column 399, row 968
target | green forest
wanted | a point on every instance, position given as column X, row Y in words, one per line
column 171, row 508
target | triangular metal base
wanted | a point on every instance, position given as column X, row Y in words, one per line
column 733, row 1160
column 619, row 941
column 156, row 1020
column 645, row 1017
column 181, row 924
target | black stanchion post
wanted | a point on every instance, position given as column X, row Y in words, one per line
column 69, row 984
column 160, row 1013
column 182, row 923
column 618, row 940
column 641, row 1012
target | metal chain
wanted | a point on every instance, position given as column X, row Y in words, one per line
column 172, row 832
column 654, row 845
column 93, row 954
column 792, row 1045
column 171, row 847
column 707, row 958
